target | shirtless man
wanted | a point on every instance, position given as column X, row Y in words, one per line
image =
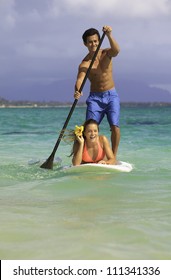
column 103, row 98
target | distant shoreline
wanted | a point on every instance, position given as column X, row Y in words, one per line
column 64, row 105
column 50, row 104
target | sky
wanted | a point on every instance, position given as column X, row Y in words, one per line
column 41, row 47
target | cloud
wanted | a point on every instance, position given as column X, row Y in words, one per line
column 41, row 40
column 116, row 8
column 7, row 14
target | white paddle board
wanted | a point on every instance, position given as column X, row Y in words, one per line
column 120, row 166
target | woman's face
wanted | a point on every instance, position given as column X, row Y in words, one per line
column 91, row 132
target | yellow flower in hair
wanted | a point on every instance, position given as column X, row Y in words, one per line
column 79, row 130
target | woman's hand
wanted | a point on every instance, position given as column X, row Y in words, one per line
column 80, row 139
column 102, row 162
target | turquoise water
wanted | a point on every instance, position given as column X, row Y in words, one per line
column 54, row 214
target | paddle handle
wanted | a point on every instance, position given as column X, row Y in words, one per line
column 46, row 165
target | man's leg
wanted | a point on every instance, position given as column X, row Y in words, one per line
column 115, row 138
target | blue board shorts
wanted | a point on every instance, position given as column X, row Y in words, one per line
column 104, row 103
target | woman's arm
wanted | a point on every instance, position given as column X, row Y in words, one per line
column 78, row 151
column 108, row 151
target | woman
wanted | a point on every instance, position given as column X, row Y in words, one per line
column 90, row 147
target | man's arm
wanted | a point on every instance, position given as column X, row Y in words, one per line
column 80, row 77
column 114, row 47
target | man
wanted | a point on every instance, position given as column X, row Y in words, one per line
column 103, row 98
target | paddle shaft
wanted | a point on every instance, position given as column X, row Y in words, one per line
column 48, row 164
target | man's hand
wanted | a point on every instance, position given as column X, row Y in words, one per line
column 107, row 29
column 77, row 94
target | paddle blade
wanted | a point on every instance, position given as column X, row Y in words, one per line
column 48, row 164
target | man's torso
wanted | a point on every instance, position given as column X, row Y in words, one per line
column 100, row 75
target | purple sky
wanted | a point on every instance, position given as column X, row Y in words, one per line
column 41, row 47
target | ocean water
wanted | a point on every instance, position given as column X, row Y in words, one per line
column 55, row 214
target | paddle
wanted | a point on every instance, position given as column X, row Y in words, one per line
column 48, row 164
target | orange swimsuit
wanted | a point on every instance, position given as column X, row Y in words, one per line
column 87, row 159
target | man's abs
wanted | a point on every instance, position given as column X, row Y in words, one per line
column 100, row 87
column 101, row 81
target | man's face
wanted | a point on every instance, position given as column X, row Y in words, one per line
column 92, row 43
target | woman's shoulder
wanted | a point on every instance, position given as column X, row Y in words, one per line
column 102, row 139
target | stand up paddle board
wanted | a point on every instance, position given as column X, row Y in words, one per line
column 90, row 167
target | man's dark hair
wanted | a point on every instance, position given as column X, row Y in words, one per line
column 90, row 32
